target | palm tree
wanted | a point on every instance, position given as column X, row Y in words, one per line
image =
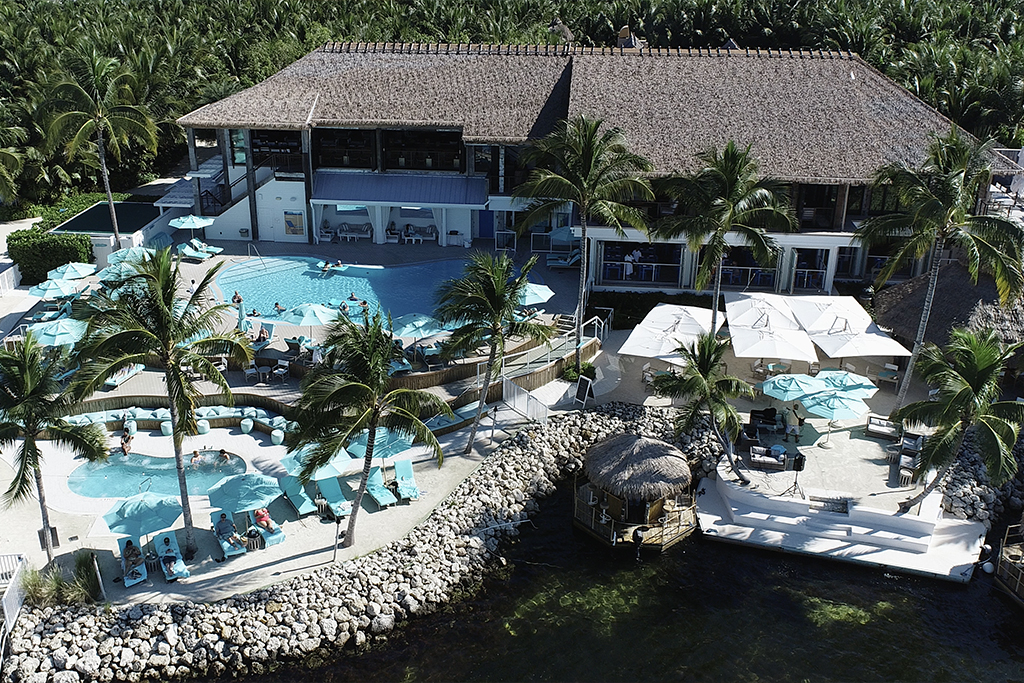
column 98, row 103
column 966, row 372
column 593, row 170
column 726, row 196
column 149, row 320
column 483, row 303
column 707, row 389
column 11, row 161
column 348, row 392
column 32, row 407
column 938, row 204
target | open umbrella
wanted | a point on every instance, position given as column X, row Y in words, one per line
column 664, row 329
column 563, row 235
column 833, row 405
column 118, row 272
column 534, row 294
column 848, row 383
column 338, row 466
column 309, row 314
column 129, row 255
column 54, row 289
column 415, row 325
column 750, row 342
column 792, row 387
column 143, row 513
column 191, row 223
column 241, row 492
column 63, row 332
column 72, row 271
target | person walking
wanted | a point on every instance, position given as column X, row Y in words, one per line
column 794, row 421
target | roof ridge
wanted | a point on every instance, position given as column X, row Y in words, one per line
column 560, row 50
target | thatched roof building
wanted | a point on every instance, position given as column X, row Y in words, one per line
column 958, row 303
column 812, row 117
column 637, row 468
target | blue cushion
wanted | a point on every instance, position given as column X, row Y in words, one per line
column 203, row 427
column 246, row 425
column 277, row 437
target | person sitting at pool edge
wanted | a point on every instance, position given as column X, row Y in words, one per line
column 126, row 441
column 167, row 556
column 132, row 556
column 353, row 297
column 262, row 517
column 225, row 530
column 236, row 299
column 279, row 308
column 223, row 455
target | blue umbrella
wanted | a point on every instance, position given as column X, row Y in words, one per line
column 338, row 466
column 534, row 294
column 118, row 272
column 834, row 405
column 130, row 255
column 143, row 513
column 54, row 289
column 63, row 332
column 241, row 492
column 415, row 325
column 309, row 314
column 791, row 387
column 72, row 271
column 848, row 384
column 191, row 222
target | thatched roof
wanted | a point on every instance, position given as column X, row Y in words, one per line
column 958, row 303
column 822, row 117
column 638, row 468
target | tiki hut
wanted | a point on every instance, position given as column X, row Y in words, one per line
column 635, row 492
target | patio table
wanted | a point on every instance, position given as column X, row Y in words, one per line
column 414, row 239
column 264, row 372
column 777, row 368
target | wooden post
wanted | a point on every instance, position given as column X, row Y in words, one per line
column 250, row 183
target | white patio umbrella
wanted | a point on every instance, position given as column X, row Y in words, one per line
column 760, row 311
column 534, row 294
column 829, row 314
column 870, row 341
column 750, row 342
column 664, row 329
column 72, row 271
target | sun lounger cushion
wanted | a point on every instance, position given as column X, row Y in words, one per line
column 225, row 547
column 336, row 496
column 179, row 570
column 269, row 537
column 407, row 488
column 376, row 489
column 138, row 574
column 295, row 493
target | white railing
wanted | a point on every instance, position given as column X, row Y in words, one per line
column 601, row 326
column 250, row 248
column 10, row 278
column 523, row 402
column 11, row 569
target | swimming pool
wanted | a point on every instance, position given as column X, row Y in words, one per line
column 122, row 476
column 294, row 280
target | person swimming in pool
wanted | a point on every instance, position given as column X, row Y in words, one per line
column 254, row 314
column 196, row 460
column 236, row 299
column 353, row 297
column 343, row 308
column 279, row 308
column 364, row 304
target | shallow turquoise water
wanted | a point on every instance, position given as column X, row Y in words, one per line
column 294, row 280
column 123, row 476
column 705, row 611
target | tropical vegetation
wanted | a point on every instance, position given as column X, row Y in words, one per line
column 483, row 304
column 152, row 320
column 723, row 198
column 967, row 407
column 706, row 388
column 347, row 393
column 938, row 203
column 33, row 405
column 593, row 170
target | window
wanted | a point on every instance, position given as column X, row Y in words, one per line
column 883, row 200
column 855, row 201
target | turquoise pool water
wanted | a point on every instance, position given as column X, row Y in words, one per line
column 294, row 280
column 123, row 476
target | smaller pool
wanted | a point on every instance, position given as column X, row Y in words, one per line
column 122, row 476
column 131, row 216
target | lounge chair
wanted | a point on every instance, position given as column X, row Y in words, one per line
column 122, row 375
column 326, row 233
column 225, row 547
column 135, row 575
column 397, row 366
column 338, row 502
column 179, row 570
column 46, row 316
column 61, row 376
column 269, row 537
column 295, row 494
column 524, row 316
column 572, row 260
column 190, row 254
column 259, row 346
column 381, row 495
column 407, row 489
column 199, row 245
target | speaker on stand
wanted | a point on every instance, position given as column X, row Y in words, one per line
column 799, row 462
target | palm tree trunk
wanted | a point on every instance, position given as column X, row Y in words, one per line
column 47, row 540
column 729, row 454
column 483, row 396
column 101, row 149
column 350, row 533
column 940, row 477
column 717, row 294
column 179, row 465
column 581, row 306
column 926, row 311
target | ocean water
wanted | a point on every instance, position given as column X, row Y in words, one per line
column 123, row 476
column 570, row 610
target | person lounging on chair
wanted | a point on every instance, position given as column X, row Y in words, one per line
column 270, row 531
column 170, row 557
column 199, row 245
column 133, row 566
column 376, row 489
column 407, row 488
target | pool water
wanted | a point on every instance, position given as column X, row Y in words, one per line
column 122, row 475
column 295, row 280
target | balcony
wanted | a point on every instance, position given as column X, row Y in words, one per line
column 422, row 160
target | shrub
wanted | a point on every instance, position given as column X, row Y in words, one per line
column 570, row 374
column 50, row 589
column 37, row 253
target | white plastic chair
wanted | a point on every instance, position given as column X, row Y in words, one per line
column 252, row 372
column 282, row 370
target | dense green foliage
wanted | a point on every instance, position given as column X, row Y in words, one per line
column 36, row 253
column 967, row 59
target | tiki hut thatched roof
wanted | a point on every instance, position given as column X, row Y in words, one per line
column 958, row 303
column 821, row 117
column 638, row 468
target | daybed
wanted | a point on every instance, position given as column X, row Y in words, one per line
column 882, row 428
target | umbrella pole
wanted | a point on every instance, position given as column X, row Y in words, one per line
column 826, row 443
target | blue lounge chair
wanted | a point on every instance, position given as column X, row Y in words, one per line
column 338, row 500
column 523, row 316
column 381, row 495
column 295, row 494
column 199, row 245
column 122, row 375
column 259, row 346
column 570, row 261
column 397, row 366
column 190, row 254
column 407, row 488
column 178, row 570
column 46, row 316
column 225, row 547
column 269, row 537
column 61, row 376
column 131, row 576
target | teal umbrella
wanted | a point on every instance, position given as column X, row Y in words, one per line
column 848, row 383
column 791, row 387
column 191, row 222
column 72, row 271
column 309, row 314
column 142, row 514
column 338, row 466
column 63, row 332
column 130, row 255
column 534, row 294
column 118, row 272
column 415, row 325
column 241, row 492
column 54, row 289
column 834, row 405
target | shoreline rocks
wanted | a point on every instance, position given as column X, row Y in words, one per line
column 313, row 617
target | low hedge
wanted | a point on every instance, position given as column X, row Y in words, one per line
column 37, row 253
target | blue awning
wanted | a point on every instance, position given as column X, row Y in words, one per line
column 399, row 189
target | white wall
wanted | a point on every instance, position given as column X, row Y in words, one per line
column 272, row 200
column 461, row 222
column 226, row 226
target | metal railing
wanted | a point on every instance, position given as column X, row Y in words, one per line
column 523, row 402
column 674, row 524
column 11, row 569
column 631, row 271
column 540, row 243
column 1010, row 566
column 748, row 277
column 805, row 278
column 250, row 248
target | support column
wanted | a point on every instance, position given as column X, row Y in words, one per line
column 193, row 165
column 307, row 173
column 839, row 215
column 224, row 136
column 250, row 187
column 442, row 230
column 379, row 140
column 501, row 169
column 830, row 268
column 379, row 216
